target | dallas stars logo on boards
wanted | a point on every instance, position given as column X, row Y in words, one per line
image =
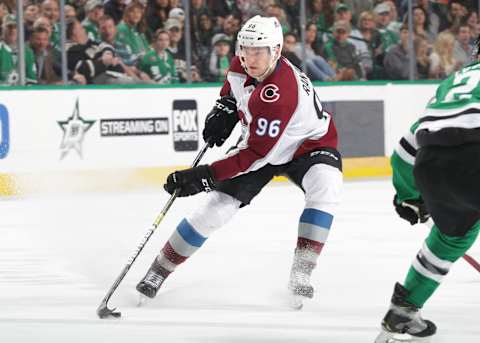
column 74, row 130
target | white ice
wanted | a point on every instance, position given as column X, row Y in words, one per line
column 59, row 256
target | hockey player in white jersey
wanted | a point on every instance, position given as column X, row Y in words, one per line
column 285, row 131
column 435, row 173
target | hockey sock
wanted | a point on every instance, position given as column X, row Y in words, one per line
column 184, row 241
column 194, row 230
column 433, row 262
column 313, row 231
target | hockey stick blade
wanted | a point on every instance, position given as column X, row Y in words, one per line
column 104, row 312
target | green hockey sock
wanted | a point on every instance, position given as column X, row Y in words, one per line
column 433, row 262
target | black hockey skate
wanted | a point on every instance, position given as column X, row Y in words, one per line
column 299, row 283
column 152, row 281
column 403, row 322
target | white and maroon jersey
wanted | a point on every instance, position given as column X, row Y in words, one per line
column 281, row 118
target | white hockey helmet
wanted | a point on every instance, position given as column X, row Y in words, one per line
column 261, row 32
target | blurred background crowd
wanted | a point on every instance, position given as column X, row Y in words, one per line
column 144, row 41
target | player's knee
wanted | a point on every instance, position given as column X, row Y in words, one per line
column 216, row 211
column 323, row 187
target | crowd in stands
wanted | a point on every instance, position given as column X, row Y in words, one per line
column 143, row 41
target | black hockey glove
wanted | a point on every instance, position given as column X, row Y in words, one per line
column 413, row 211
column 220, row 121
column 191, row 181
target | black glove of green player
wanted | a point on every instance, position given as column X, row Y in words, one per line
column 191, row 181
column 221, row 120
column 413, row 211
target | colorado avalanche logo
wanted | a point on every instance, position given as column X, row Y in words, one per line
column 269, row 93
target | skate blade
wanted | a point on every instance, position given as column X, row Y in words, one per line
column 390, row 337
column 142, row 300
column 296, row 302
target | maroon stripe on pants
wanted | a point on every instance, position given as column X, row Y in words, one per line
column 172, row 255
column 304, row 243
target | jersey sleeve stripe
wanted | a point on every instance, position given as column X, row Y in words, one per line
column 430, row 118
column 411, row 139
column 404, row 155
column 408, row 147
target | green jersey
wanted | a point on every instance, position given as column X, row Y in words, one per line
column 460, row 89
column 55, row 37
column 135, row 41
column 9, row 64
column 388, row 38
column 30, row 65
column 92, row 30
column 320, row 21
column 456, row 105
column 161, row 68
column 224, row 65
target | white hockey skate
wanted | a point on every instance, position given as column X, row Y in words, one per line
column 403, row 323
column 299, row 283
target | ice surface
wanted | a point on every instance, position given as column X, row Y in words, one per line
column 59, row 256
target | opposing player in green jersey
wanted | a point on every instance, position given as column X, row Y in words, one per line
column 435, row 172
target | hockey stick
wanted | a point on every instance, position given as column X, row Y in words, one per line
column 469, row 259
column 103, row 311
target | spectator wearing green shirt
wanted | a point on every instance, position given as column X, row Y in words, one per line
column 94, row 11
column 158, row 63
column 131, row 30
column 383, row 19
column 220, row 57
column 8, row 74
column 9, row 55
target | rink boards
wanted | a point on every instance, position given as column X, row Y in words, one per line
column 111, row 138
